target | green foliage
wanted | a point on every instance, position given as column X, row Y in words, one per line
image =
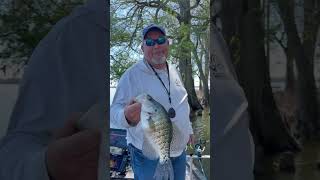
column 128, row 19
column 119, row 65
column 26, row 23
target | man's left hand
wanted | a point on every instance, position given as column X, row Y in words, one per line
column 191, row 140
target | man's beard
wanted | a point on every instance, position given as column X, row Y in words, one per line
column 158, row 59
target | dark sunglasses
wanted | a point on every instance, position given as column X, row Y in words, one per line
column 152, row 42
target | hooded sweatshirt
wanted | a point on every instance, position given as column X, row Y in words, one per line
column 140, row 78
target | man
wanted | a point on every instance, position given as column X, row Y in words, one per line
column 66, row 74
column 154, row 76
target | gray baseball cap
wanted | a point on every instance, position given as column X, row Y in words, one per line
column 150, row 27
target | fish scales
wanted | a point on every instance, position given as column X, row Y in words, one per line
column 158, row 132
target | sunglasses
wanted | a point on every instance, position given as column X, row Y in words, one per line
column 159, row 41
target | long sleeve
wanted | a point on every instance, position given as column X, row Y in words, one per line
column 121, row 98
column 66, row 73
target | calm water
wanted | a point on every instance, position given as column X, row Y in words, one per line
column 306, row 168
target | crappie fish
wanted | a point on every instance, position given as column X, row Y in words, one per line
column 158, row 131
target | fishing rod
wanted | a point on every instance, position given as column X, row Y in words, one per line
column 198, row 150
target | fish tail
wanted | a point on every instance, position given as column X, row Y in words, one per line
column 164, row 171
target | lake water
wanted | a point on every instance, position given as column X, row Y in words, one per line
column 306, row 164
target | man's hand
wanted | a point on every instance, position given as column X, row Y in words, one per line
column 73, row 154
column 191, row 140
column 132, row 112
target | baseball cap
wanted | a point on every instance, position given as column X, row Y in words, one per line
column 150, row 27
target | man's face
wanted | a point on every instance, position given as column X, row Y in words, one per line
column 156, row 54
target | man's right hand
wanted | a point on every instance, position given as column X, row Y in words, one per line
column 132, row 112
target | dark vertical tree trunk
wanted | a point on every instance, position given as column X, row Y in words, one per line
column 270, row 134
column 204, row 86
column 254, row 76
column 230, row 18
column 244, row 19
column 311, row 26
column 185, row 64
column 205, row 46
column 307, row 98
column 290, row 75
column 266, row 6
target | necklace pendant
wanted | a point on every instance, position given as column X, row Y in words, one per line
column 171, row 113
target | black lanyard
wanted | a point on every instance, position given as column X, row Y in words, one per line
column 168, row 91
column 171, row 112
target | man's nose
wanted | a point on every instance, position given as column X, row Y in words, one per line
column 156, row 45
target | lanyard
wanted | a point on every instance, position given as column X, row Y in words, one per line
column 171, row 112
column 168, row 91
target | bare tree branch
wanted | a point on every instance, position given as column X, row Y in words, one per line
column 136, row 28
column 280, row 42
column 157, row 4
column 131, row 10
column 195, row 5
column 160, row 7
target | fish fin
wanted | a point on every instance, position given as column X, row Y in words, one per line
column 148, row 150
column 164, row 171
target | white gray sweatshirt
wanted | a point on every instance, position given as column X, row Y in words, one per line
column 140, row 78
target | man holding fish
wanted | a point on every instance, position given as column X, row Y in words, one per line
column 151, row 104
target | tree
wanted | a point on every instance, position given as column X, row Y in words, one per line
column 242, row 27
column 202, row 60
column 26, row 22
column 185, row 53
column 178, row 23
column 307, row 97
